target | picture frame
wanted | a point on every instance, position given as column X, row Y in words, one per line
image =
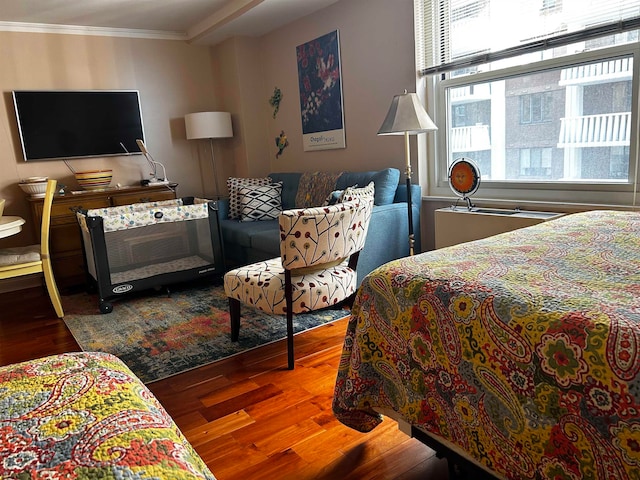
column 320, row 87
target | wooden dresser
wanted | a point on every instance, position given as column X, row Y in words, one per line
column 66, row 242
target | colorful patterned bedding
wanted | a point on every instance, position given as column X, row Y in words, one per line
column 85, row 415
column 521, row 350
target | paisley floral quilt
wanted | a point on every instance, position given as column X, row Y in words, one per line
column 522, row 350
column 85, row 415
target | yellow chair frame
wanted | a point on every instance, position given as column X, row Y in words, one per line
column 44, row 263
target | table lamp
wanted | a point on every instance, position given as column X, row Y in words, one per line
column 153, row 164
column 209, row 125
column 407, row 116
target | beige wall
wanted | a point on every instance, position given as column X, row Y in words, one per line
column 239, row 75
column 173, row 78
column 377, row 58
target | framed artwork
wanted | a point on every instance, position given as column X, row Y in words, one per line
column 320, row 85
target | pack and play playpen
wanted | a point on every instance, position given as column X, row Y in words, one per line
column 148, row 245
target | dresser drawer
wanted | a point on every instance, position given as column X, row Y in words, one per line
column 63, row 211
column 143, row 197
column 69, row 270
column 65, row 238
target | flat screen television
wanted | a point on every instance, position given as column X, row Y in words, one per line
column 64, row 124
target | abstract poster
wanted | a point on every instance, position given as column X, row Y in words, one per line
column 320, row 85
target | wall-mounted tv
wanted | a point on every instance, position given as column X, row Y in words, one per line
column 64, row 124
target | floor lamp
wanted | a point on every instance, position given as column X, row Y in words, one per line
column 407, row 116
column 209, row 125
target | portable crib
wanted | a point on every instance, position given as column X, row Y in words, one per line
column 148, row 245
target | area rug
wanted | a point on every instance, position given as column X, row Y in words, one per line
column 159, row 335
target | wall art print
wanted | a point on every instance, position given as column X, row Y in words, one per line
column 320, row 84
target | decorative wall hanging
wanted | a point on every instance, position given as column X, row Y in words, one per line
column 281, row 143
column 320, row 84
column 275, row 100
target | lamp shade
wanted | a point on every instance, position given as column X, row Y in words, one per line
column 406, row 115
column 208, row 125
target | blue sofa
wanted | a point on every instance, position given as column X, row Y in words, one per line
column 387, row 239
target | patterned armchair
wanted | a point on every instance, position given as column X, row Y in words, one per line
column 316, row 269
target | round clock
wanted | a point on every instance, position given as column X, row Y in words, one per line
column 464, row 177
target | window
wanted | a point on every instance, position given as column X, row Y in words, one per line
column 551, row 4
column 535, row 163
column 535, row 107
column 546, row 103
column 570, row 131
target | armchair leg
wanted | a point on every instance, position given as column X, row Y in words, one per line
column 234, row 315
column 288, row 295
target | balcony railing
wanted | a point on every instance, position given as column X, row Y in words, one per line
column 601, row 72
column 470, row 139
column 470, row 93
column 606, row 130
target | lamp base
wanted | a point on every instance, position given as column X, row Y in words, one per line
column 410, row 216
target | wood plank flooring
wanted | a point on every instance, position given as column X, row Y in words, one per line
column 248, row 416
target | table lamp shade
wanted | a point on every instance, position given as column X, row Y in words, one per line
column 208, row 125
column 406, row 115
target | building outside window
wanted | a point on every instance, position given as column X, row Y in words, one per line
column 536, row 107
column 546, row 116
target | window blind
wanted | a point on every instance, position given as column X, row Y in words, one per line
column 454, row 34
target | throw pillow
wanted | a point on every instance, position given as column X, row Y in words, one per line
column 260, row 203
column 333, row 198
column 385, row 181
column 354, row 193
column 233, row 184
column 314, row 187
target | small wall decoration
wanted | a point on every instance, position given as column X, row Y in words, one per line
column 275, row 100
column 320, row 85
column 281, row 143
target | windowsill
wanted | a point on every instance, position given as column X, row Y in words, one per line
column 527, row 205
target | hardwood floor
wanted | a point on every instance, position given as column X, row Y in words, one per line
column 248, row 416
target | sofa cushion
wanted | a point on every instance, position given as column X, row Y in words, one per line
column 242, row 233
column 260, row 203
column 385, row 181
column 267, row 240
column 290, row 182
column 233, row 184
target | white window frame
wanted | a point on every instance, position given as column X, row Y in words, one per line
column 434, row 150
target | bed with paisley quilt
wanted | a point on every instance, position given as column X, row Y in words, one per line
column 519, row 353
column 86, row 415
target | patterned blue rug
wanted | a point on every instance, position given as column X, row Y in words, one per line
column 158, row 335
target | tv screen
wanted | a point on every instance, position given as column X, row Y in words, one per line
column 62, row 124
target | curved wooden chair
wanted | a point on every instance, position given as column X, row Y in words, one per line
column 319, row 250
column 19, row 261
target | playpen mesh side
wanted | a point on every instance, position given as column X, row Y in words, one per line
column 158, row 249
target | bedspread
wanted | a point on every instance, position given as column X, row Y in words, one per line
column 85, row 415
column 522, row 349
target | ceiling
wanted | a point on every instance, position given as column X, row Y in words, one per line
column 202, row 22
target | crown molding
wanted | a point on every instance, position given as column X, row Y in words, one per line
column 87, row 30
